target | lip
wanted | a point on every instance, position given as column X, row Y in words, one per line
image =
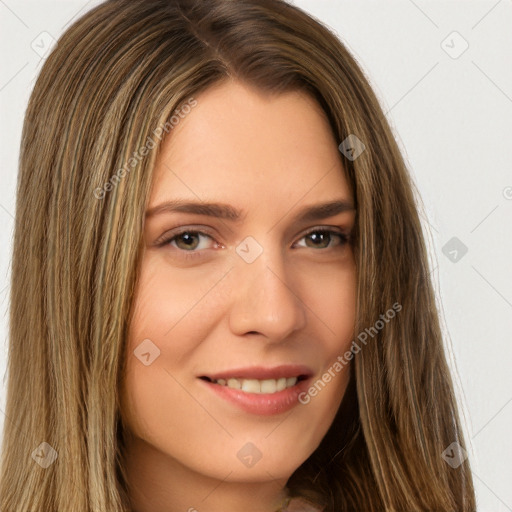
column 262, row 373
column 263, row 404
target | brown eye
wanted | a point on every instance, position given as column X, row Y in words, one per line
column 189, row 240
column 186, row 240
column 322, row 238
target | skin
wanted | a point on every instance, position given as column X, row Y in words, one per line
column 270, row 156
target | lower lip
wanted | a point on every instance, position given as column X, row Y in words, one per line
column 263, row 404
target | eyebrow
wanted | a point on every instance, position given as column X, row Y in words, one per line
column 225, row 211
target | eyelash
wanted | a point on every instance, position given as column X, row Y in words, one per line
column 166, row 240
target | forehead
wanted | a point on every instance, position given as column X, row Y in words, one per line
column 240, row 145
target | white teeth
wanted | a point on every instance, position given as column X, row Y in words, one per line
column 291, row 381
column 281, row 383
column 251, row 386
column 234, row 383
column 268, row 386
column 258, row 386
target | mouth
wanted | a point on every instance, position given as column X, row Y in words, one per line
column 269, row 386
column 259, row 390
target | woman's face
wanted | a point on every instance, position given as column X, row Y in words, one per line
column 254, row 299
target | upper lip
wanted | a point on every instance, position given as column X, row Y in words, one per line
column 262, row 373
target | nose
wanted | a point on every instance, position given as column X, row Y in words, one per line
column 264, row 298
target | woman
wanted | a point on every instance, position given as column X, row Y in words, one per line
column 292, row 358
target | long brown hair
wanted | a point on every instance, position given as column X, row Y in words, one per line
column 115, row 78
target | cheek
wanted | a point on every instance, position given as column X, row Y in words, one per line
column 170, row 319
column 330, row 295
column 167, row 299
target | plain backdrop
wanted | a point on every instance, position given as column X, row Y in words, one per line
column 442, row 71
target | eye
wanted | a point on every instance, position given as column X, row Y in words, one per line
column 321, row 238
column 186, row 240
column 189, row 244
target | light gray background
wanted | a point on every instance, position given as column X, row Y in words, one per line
column 452, row 118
